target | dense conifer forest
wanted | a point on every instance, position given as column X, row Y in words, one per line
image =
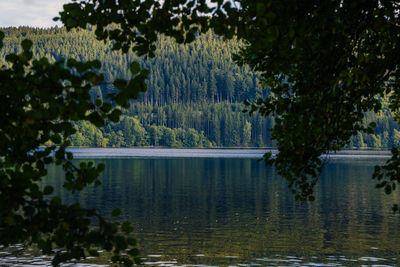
column 194, row 98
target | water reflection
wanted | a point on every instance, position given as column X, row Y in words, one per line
column 237, row 211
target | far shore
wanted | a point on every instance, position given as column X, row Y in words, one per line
column 255, row 153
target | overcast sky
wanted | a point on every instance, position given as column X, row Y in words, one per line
column 37, row 13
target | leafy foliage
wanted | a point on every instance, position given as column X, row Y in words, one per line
column 326, row 63
column 40, row 101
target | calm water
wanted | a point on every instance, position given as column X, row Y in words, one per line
column 230, row 211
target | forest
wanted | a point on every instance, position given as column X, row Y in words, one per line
column 194, row 97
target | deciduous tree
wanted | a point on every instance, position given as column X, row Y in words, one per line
column 325, row 64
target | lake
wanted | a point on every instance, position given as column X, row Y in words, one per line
column 234, row 210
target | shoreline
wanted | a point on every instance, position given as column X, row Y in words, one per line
column 252, row 153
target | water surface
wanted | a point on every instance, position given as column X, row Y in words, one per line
column 236, row 211
column 254, row 153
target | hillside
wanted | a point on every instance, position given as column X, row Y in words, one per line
column 194, row 93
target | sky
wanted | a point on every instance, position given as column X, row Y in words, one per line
column 35, row 13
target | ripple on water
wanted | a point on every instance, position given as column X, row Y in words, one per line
column 39, row 261
column 6, row 259
column 374, row 259
column 161, row 263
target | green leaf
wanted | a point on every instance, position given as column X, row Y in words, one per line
column 246, row 102
column 395, row 208
column 116, row 212
column 388, row 189
column 26, row 45
column 98, row 102
column 115, row 258
column 115, row 114
column 70, row 23
column 127, row 227
column 120, row 84
column 106, row 107
column 134, row 252
column 70, row 155
column 101, row 167
column 134, row 68
column 116, row 46
column 96, row 64
column 56, row 138
column 96, row 119
column 131, row 241
column 48, row 190
column 93, row 253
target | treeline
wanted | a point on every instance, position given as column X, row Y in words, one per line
column 193, row 98
column 130, row 132
column 203, row 125
column 387, row 131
